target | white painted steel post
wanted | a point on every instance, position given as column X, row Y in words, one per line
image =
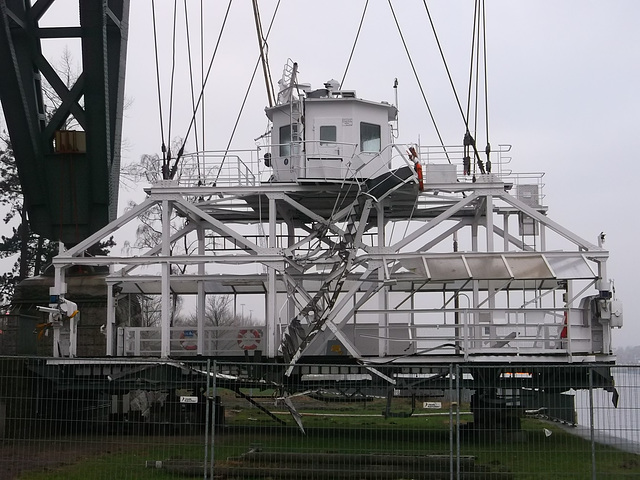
column 111, row 318
column 201, row 299
column 73, row 335
column 165, row 335
column 489, row 221
column 505, row 235
column 272, row 297
column 59, row 288
column 383, row 295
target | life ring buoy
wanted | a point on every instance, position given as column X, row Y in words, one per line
column 188, row 340
column 249, row 339
column 413, row 155
column 419, row 173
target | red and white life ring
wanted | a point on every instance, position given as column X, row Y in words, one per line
column 419, row 173
column 189, row 340
column 413, row 155
column 249, row 339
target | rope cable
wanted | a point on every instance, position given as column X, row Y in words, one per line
column 471, row 63
column 173, row 74
column 476, row 86
column 246, row 95
column 444, row 61
column 415, row 73
column 193, row 100
column 262, row 45
column 202, row 72
column 477, row 29
column 155, row 45
column 468, row 137
column 364, row 11
column 213, row 56
column 486, row 86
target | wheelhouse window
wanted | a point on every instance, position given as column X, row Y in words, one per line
column 285, row 140
column 328, row 134
column 369, row 137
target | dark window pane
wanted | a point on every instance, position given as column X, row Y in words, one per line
column 369, row 137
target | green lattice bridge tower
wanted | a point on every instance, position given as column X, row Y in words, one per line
column 69, row 178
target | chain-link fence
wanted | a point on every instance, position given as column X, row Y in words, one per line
column 106, row 419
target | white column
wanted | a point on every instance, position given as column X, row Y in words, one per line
column 383, row 295
column 201, row 300
column 59, row 288
column 490, row 249
column 489, row 222
column 73, row 336
column 165, row 322
column 272, row 297
column 505, row 228
column 111, row 318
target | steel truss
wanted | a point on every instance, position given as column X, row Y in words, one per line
column 343, row 272
column 69, row 179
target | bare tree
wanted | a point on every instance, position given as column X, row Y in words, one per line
column 149, row 231
column 218, row 310
column 219, row 313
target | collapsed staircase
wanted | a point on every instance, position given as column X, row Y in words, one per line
column 315, row 313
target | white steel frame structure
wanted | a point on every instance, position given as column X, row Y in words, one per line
column 465, row 270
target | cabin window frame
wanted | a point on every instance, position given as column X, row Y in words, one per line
column 328, row 134
column 284, row 140
column 370, row 137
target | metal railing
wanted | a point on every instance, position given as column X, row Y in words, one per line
column 146, row 341
column 425, row 331
column 220, row 168
column 247, row 167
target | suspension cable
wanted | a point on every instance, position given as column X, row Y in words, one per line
column 364, row 11
column 155, row 45
column 415, row 73
column 471, row 62
column 262, row 45
column 246, row 95
column 193, row 100
column 202, row 123
column 476, row 85
column 486, row 86
column 174, row 168
column 468, row 139
column 173, row 74
column 444, row 61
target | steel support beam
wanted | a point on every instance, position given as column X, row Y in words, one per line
column 69, row 193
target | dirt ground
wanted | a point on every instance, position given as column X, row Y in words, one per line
column 17, row 457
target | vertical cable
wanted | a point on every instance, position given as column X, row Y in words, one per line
column 415, row 74
column 202, row 125
column 193, row 101
column 486, row 87
column 355, row 42
column 165, row 166
column 173, row 71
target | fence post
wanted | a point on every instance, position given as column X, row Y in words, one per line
column 213, row 416
column 592, row 426
column 451, row 392
column 206, row 420
column 457, row 421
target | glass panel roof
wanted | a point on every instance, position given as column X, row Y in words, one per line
column 529, row 267
column 488, row 267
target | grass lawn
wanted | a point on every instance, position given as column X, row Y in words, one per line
column 340, row 437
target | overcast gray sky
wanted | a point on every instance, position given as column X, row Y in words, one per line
column 563, row 90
